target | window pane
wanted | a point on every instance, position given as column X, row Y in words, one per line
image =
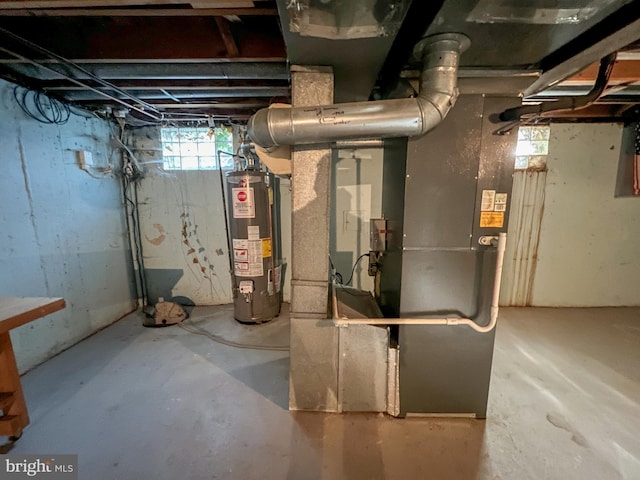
column 169, row 134
column 207, row 163
column 522, row 162
column 539, row 147
column 524, row 133
column 532, row 148
column 225, row 147
column 207, row 149
column 196, row 148
column 170, row 149
column 188, row 149
column 540, row 133
column 189, row 163
column 523, row 147
column 171, row 163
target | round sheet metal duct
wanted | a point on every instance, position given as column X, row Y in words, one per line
column 406, row 117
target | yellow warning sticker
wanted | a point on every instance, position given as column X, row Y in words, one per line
column 266, row 247
column 491, row 219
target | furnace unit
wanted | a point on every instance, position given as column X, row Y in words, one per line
column 445, row 202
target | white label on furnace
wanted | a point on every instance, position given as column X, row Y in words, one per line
column 501, row 202
column 253, row 232
column 247, row 258
column 488, row 200
column 243, row 204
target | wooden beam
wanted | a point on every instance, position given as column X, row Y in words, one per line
column 227, row 37
column 625, row 71
column 222, row 3
column 136, row 12
column 592, row 111
column 31, row 4
column 122, row 38
column 216, row 106
column 189, row 85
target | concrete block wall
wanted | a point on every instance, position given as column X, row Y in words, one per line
column 588, row 254
column 63, row 229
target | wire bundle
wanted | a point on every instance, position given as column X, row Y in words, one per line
column 40, row 107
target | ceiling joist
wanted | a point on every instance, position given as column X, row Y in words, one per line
column 35, row 4
column 135, row 12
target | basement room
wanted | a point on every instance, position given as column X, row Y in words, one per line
column 319, row 239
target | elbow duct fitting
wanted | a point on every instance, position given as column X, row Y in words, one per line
column 405, row 117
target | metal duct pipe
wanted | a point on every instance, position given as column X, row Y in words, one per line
column 406, row 117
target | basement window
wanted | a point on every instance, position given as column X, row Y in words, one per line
column 532, row 148
column 196, row 148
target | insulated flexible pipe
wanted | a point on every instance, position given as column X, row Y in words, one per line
column 493, row 319
column 405, row 117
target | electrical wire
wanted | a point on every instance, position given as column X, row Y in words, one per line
column 199, row 331
column 40, row 107
column 135, row 224
column 131, row 199
column 354, row 267
column 335, row 275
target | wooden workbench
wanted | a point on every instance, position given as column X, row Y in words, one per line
column 14, row 312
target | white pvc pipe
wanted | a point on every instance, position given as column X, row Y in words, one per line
column 493, row 319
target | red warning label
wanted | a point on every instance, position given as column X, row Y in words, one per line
column 243, row 204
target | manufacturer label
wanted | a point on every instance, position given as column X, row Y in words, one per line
column 253, row 231
column 488, row 200
column 501, row 202
column 241, row 254
column 247, row 257
column 266, row 247
column 243, row 202
column 491, row 219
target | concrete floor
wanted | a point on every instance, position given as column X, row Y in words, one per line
column 138, row 403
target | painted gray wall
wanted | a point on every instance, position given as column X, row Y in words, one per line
column 64, row 231
column 356, row 197
column 588, row 251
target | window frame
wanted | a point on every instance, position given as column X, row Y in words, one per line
column 188, row 142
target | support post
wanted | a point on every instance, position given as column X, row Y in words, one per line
column 313, row 377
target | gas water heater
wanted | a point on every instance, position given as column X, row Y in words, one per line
column 255, row 243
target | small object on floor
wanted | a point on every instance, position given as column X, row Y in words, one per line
column 165, row 314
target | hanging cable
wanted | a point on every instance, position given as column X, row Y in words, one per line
column 40, row 107
column 354, row 267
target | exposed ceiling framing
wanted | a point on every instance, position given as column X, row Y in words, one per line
column 227, row 58
column 195, row 59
